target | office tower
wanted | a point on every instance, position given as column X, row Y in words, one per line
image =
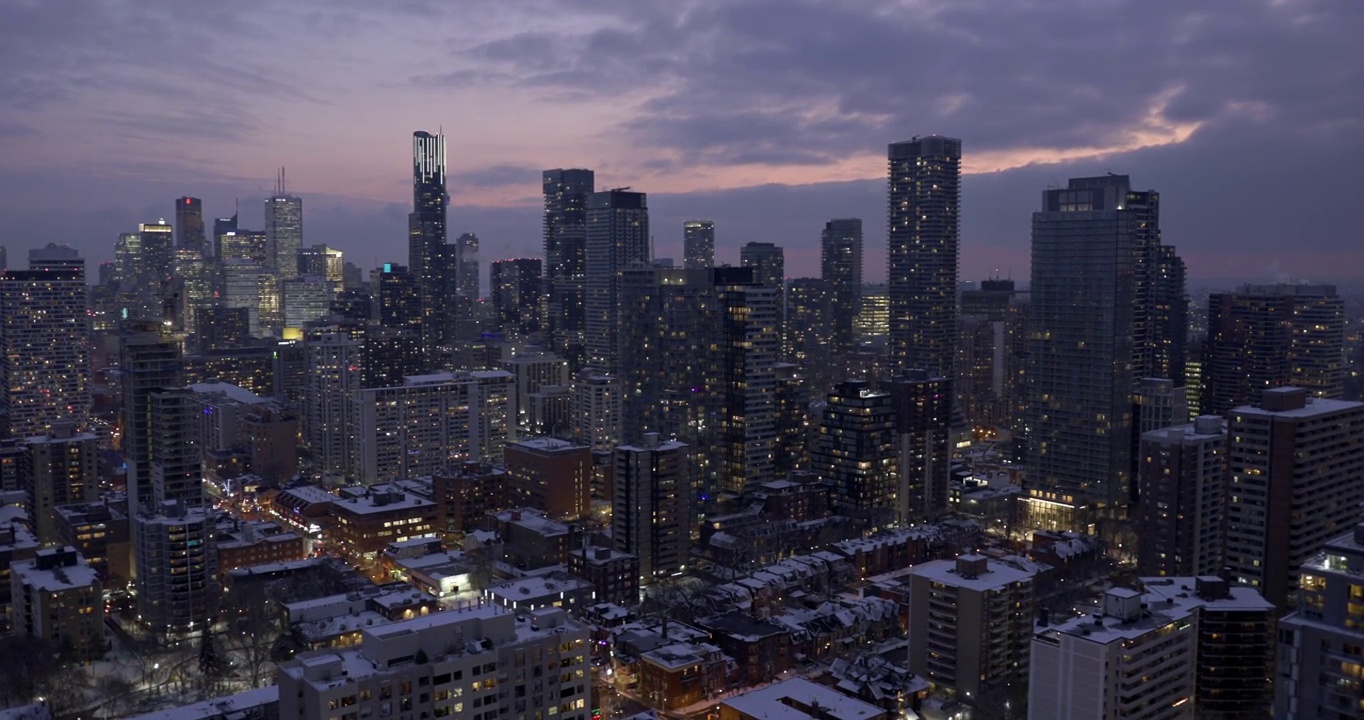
column 552, row 476
column 465, row 651
column 856, row 453
column 970, row 624
column 1319, row 664
column 791, row 419
column 189, row 225
column 251, row 287
column 177, row 568
column 840, row 266
column 427, row 228
column 651, row 509
column 925, row 202
column 698, row 244
column 1182, row 484
column 922, row 407
column 283, row 229
column 158, row 254
column 250, row 247
column 148, row 362
column 176, row 456
column 305, row 298
column 1090, row 328
column 1295, row 464
column 871, row 327
column 57, row 468
column 516, row 295
column 466, row 266
column 44, row 350
column 334, row 373
column 565, row 236
column 617, row 238
column 663, row 316
column 597, row 409
column 325, row 262
column 55, row 257
column 221, row 227
column 400, row 299
column 4, row 258
column 57, row 597
column 991, row 351
column 1265, row 336
column 194, row 285
column 222, row 328
column 1177, row 648
column 129, row 265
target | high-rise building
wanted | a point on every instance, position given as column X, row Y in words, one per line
column 176, row 453
column 466, row 650
column 427, row 228
column 1182, row 479
column 515, row 286
column 617, row 238
column 251, row 287
column 1178, row 648
column 44, row 349
column 335, row 370
column 991, row 353
column 417, row 428
column 149, row 361
column 400, row 298
column 597, row 400
column 1090, row 333
column 177, row 568
column 769, row 268
column 840, row 263
column 58, row 468
column 651, row 510
column 158, row 256
column 251, row 247
column 925, row 204
column 856, row 452
column 1319, row 662
column 1295, row 464
column 552, row 476
column 221, row 227
column 791, row 420
column 1265, row 336
column 742, row 375
column 1169, row 316
column 189, row 225
column 970, row 623
column 193, row 287
column 466, row 266
column 698, row 244
column 305, row 298
column 325, row 262
column 922, row 407
column 809, row 335
column 283, row 229
column 565, row 235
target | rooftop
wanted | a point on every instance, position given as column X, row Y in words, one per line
column 61, row 577
column 232, row 392
column 785, row 700
column 217, row 707
column 997, row 575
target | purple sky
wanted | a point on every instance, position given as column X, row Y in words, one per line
column 768, row 116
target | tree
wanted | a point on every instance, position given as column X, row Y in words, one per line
column 115, row 694
column 25, row 662
column 251, row 628
column 212, row 665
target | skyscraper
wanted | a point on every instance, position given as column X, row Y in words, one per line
column 698, row 244
column 427, row 228
column 158, row 256
column 1318, row 645
column 617, row 238
column 840, row 263
column 44, row 348
column 1090, row 331
column 189, row 225
column 1182, row 475
column 565, row 236
column 992, row 352
column 148, row 362
column 769, row 268
column 283, row 229
column 925, row 201
column 1265, row 336
column 221, row 227
column 466, row 263
column 922, row 408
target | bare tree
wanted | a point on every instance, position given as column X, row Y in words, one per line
column 251, row 628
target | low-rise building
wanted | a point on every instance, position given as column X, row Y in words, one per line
column 364, row 520
column 798, row 699
column 674, row 676
column 614, row 575
column 257, row 543
column 99, row 532
column 552, row 476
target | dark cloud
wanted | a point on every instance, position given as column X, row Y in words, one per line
column 496, row 176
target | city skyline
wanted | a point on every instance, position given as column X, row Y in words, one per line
column 1224, row 107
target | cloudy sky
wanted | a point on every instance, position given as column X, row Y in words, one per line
column 768, row 116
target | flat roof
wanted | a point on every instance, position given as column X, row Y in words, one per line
column 778, row 702
column 996, row 575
